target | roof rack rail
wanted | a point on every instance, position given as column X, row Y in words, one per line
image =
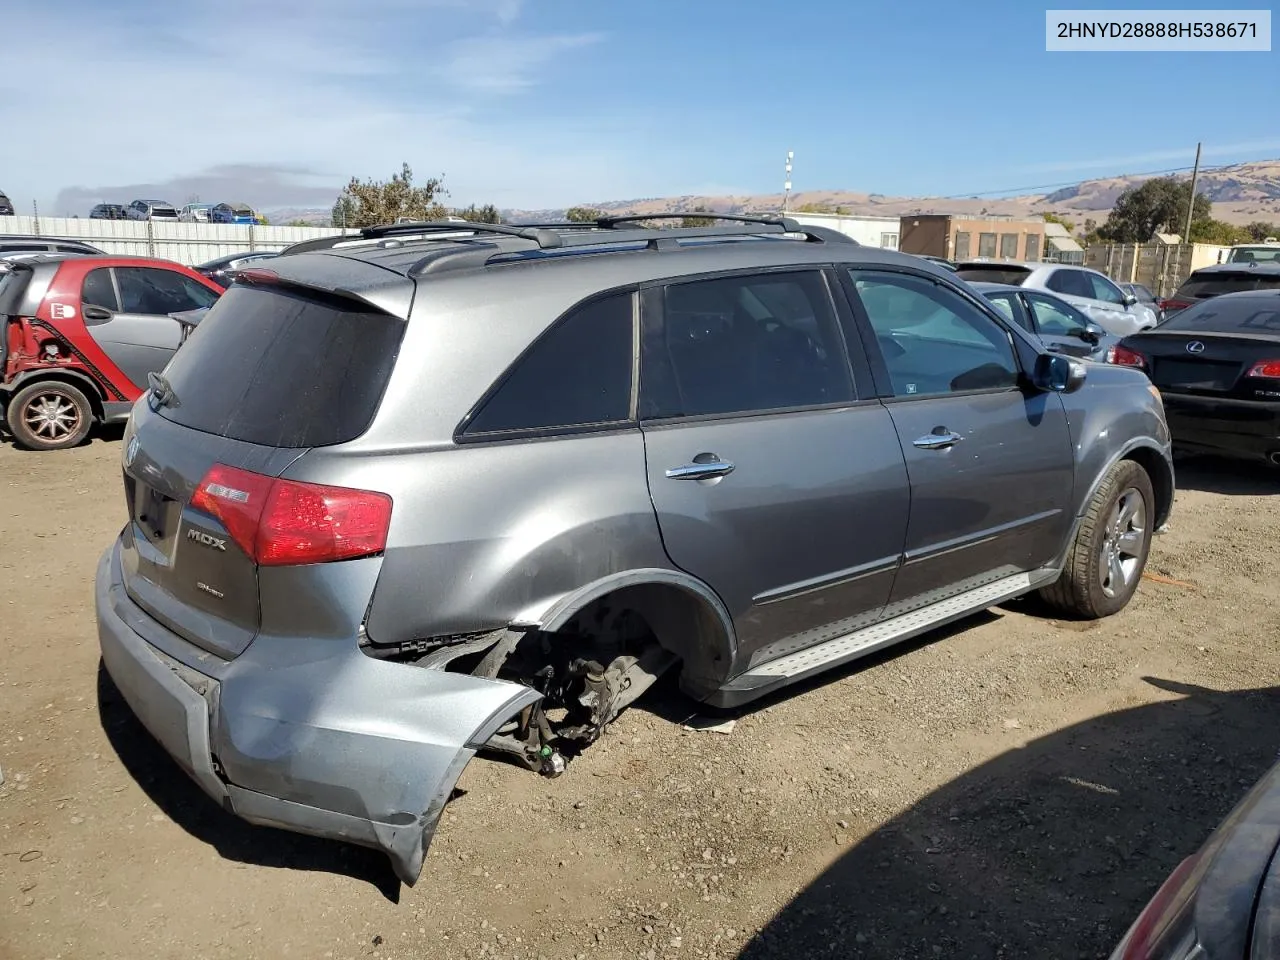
column 792, row 226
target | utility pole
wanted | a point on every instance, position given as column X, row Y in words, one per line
column 1191, row 204
column 786, row 184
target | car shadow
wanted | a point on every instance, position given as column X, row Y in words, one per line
column 1049, row 850
column 101, row 432
column 187, row 805
column 1231, row 477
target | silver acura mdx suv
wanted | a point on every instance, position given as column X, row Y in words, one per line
column 450, row 487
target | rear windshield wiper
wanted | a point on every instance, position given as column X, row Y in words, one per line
column 161, row 391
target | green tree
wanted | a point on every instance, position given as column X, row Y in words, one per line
column 1063, row 221
column 814, row 208
column 582, row 214
column 1259, row 230
column 842, row 211
column 1220, row 232
column 1158, row 205
column 698, row 221
column 367, row 203
column 486, row 214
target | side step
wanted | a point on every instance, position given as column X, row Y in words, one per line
column 793, row 667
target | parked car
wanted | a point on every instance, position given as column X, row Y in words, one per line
column 220, row 269
column 940, row 261
column 16, row 243
column 1145, row 297
column 151, row 210
column 1217, row 366
column 389, row 505
column 1266, row 252
column 1089, row 291
column 195, row 213
column 1208, row 282
column 233, row 213
column 81, row 334
column 1057, row 323
column 6, row 206
column 108, row 211
column 1224, row 899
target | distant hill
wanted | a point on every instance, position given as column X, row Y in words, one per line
column 1240, row 193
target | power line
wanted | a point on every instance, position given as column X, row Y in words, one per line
column 1072, row 183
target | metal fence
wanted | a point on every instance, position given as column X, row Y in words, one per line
column 188, row 243
column 1160, row 267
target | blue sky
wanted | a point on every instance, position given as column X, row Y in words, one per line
column 544, row 103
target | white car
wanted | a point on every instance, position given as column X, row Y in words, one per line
column 195, row 213
column 1092, row 293
column 151, row 210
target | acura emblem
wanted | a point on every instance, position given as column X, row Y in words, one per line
column 1195, row 346
column 131, row 451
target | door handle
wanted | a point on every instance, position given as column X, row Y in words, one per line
column 937, row 441
column 700, row 471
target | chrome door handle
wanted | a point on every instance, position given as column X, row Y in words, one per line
column 700, row 471
column 937, row 441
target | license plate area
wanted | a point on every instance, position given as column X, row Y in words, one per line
column 1195, row 374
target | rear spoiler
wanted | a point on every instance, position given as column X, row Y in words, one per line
column 188, row 320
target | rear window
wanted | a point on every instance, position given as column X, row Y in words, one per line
column 12, row 285
column 1232, row 315
column 282, row 368
column 1214, row 285
column 994, row 273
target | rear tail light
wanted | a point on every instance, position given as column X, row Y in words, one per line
column 1173, row 304
column 1122, row 356
column 284, row 522
column 1269, row 369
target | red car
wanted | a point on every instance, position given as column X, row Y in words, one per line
column 79, row 335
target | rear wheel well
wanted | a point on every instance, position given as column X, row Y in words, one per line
column 92, row 392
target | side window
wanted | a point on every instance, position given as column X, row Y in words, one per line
column 1057, row 319
column 578, row 373
column 1073, row 283
column 1104, row 289
column 99, row 290
column 1008, row 305
column 155, row 291
column 933, row 340
column 744, row 344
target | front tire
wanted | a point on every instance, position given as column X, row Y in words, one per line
column 1105, row 563
column 49, row 416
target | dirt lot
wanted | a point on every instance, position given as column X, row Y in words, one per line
column 1016, row 787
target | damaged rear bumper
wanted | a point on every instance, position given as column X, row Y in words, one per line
column 323, row 741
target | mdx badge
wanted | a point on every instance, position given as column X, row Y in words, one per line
column 208, row 539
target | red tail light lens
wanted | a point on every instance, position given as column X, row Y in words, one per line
column 285, row 522
column 1172, row 304
column 1124, row 357
column 1270, row 369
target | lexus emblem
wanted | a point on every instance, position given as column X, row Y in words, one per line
column 131, row 451
column 1195, row 346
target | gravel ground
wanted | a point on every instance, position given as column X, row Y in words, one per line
column 1014, row 786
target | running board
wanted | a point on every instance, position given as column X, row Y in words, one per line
column 793, row 667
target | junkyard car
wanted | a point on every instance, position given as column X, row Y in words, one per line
column 454, row 487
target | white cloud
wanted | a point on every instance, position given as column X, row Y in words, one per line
column 309, row 94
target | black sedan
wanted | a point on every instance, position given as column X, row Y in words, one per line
column 220, row 270
column 1224, row 900
column 1217, row 366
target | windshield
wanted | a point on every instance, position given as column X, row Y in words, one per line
column 1266, row 253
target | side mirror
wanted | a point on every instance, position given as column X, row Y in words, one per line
column 95, row 314
column 1057, row 373
column 1130, row 299
column 1091, row 333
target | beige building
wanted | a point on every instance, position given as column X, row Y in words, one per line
column 967, row 238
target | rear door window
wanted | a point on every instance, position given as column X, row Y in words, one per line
column 99, row 291
column 578, row 374
column 1008, row 305
column 742, row 345
column 273, row 366
column 1074, row 283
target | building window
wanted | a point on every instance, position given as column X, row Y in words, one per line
column 889, row 241
column 1033, row 246
column 1009, row 246
column 986, row 244
column 962, row 246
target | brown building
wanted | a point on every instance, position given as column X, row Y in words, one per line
column 966, row 238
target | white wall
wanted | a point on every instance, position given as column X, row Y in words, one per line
column 869, row 231
column 189, row 243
